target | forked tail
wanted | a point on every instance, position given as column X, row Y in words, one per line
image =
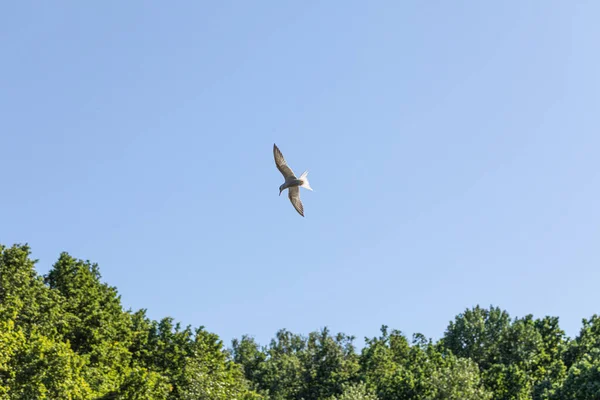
column 304, row 179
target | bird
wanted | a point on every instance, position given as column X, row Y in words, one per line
column 291, row 183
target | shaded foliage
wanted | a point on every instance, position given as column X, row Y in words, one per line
column 66, row 335
column 397, row 369
column 297, row 367
column 583, row 380
column 355, row 391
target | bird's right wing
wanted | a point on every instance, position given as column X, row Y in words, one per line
column 281, row 164
column 294, row 195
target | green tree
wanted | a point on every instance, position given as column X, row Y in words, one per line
column 457, row 379
column 550, row 370
column 210, row 375
column 45, row 369
column 24, row 298
column 164, row 347
column 95, row 306
column 295, row 367
column 11, row 341
column 329, row 363
column 281, row 374
column 67, row 336
column 355, row 391
column 395, row 369
column 507, row 382
column 248, row 354
column 583, row 380
column 34, row 362
column 476, row 333
column 141, row 384
column 98, row 328
column 382, row 364
column 518, row 360
column 585, row 342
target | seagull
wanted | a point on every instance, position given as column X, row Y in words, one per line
column 291, row 183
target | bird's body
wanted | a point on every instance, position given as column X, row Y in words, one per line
column 292, row 183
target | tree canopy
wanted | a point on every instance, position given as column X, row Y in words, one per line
column 66, row 335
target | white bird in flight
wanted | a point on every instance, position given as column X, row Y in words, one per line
column 291, row 183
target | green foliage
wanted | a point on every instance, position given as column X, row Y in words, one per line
column 34, row 362
column 141, row 384
column 23, row 296
column 210, row 375
column 329, row 363
column 67, row 336
column 166, row 349
column 247, row 354
column 45, row 369
column 507, row 382
column 296, row 367
column 97, row 315
column 387, row 363
column 457, row 379
column 476, row 334
column 355, row 391
column 399, row 370
column 583, row 380
column 98, row 328
column 520, row 359
column 11, row 341
column 587, row 340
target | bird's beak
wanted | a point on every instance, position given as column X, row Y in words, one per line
column 280, row 192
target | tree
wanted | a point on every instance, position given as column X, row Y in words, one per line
column 24, row 298
column 551, row 370
column 518, row 360
column 383, row 363
column 355, row 391
column 249, row 356
column 34, row 362
column 583, row 380
column 96, row 307
column 98, row 328
column 67, row 336
column 11, row 341
column 585, row 342
column 295, row 367
column 210, row 375
column 45, row 369
column 141, row 384
column 395, row 369
column 507, row 382
column 329, row 363
column 458, row 379
column 164, row 347
column 476, row 333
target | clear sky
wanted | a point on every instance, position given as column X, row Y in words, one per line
column 453, row 148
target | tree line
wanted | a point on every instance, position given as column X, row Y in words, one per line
column 66, row 335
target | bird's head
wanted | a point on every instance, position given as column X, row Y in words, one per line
column 281, row 189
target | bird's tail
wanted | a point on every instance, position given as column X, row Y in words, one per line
column 304, row 179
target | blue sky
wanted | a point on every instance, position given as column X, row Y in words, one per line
column 452, row 148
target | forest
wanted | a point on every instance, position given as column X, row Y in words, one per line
column 66, row 335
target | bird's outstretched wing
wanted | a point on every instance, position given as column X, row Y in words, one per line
column 294, row 195
column 281, row 164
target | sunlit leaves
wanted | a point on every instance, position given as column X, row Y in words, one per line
column 67, row 336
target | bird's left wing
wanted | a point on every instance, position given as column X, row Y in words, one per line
column 281, row 164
